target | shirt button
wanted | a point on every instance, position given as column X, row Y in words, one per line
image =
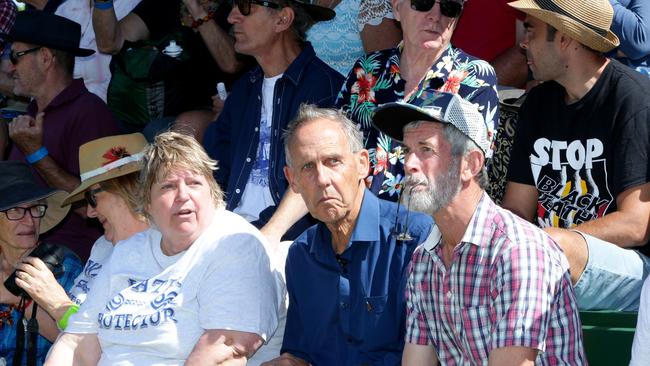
column 343, row 305
column 257, row 129
column 248, row 160
column 237, row 190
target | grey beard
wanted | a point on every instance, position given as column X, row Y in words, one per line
column 436, row 195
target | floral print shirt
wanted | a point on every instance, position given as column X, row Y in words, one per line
column 375, row 79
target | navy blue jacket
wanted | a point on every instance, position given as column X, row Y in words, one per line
column 233, row 139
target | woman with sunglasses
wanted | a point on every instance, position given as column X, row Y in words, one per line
column 26, row 211
column 424, row 62
column 198, row 290
column 109, row 183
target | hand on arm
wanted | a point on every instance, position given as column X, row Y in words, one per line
column 224, row 347
column 521, row 199
column 291, row 209
column 218, row 42
column 512, row 356
column 286, row 359
column 74, row 350
column 419, row 355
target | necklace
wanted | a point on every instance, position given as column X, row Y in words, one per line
column 5, row 316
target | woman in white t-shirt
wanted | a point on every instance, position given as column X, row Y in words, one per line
column 198, row 290
column 109, row 182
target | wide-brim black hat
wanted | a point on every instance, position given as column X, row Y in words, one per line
column 49, row 30
column 18, row 186
column 316, row 12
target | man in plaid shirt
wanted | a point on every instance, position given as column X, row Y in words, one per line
column 486, row 287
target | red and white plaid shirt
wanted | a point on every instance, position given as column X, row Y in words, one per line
column 508, row 285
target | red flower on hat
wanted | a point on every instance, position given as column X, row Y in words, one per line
column 363, row 86
column 115, row 153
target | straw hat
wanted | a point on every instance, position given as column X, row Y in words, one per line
column 18, row 186
column 586, row 21
column 107, row 158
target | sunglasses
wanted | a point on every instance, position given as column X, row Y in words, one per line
column 17, row 213
column 244, row 6
column 90, row 196
column 448, row 8
column 14, row 56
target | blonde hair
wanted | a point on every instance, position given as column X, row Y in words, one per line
column 126, row 187
column 172, row 150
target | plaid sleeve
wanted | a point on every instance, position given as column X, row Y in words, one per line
column 525, row 283
column 417, row 327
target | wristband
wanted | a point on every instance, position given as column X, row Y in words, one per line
column 37, row 155
column 63, row 322
column 198, row 22
column 103, row 5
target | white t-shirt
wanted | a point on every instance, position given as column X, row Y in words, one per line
column 150, row 309
column 99, row 254
column 641, row 345
column 257, row 194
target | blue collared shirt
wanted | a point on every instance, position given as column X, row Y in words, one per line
column 350, row 310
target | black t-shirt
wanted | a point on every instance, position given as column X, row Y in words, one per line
column 583, row 155
column 162, row 17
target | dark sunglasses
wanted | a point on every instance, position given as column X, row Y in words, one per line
column 244, row 6
column 90, row 196
column 448, row 8
column 14, row 56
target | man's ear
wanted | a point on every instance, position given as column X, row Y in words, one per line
column 397, row 4
column 472, row 165
column 364, row 163
column 285, row 19
column 288, row 173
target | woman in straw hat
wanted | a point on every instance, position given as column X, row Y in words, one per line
column 109, row 182
column 198, row 290
column 26, row 211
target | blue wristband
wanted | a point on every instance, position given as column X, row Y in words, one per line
column 37, row 155
column 103, row 5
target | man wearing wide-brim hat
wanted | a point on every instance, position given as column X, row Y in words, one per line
column 27, row 210
column 62, row 115
column 580, row 158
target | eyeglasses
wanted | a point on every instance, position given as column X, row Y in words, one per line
column 244, row 6
column 90, row 196
column 14, row 56
column 448, row 8
column 17, row 213
column 403, row 235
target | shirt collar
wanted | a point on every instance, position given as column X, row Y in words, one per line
column 71, row 92
column 295, row 69
column 477, row 229
column 366, row 229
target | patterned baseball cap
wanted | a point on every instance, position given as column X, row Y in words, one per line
column 390, row 118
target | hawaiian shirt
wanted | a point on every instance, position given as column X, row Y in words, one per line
column 508, row 284
column 375, row 79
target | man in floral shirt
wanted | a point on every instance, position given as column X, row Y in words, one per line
column 424, row 61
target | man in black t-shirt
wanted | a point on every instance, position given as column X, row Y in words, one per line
column 580, row 161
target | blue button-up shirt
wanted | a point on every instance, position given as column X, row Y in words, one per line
column 350, row 309
column 234, row 138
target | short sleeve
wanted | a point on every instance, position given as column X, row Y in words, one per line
column 85, row 320
column 632, row 152
column 373, row 12
column 238, row 291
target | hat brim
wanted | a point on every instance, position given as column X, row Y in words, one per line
column 564, row 24
column 391, row 118
column 76, row 51
column 316, row 12
column 53, row 198
column 77, row 194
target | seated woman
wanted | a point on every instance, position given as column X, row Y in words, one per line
column 109, row 181
column 198, row 291
column 26, row 211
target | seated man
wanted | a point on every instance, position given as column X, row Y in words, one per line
column 579, row 164
column 345, row 275
column 246, row 139
column 62, row 115
column 486, row 287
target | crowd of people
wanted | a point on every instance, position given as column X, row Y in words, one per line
column 331, row 206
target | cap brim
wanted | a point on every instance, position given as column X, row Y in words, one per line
column 125, row 169
column 391, row 118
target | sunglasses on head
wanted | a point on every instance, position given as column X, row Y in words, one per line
column 448, row 8
column 90, row 196
column 14, row 56
column 244, row 6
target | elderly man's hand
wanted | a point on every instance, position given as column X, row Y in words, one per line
column 27, row 132
column 286, row 359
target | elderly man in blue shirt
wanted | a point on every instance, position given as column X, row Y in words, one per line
column 346, row 274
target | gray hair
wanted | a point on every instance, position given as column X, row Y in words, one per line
column 302, row 21
column 460, row 146
column 307, row 113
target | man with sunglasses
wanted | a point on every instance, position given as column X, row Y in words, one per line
column 246, row 139
column 62, row 115
column 424, row 61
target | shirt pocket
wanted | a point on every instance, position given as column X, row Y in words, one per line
column 476, row 331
